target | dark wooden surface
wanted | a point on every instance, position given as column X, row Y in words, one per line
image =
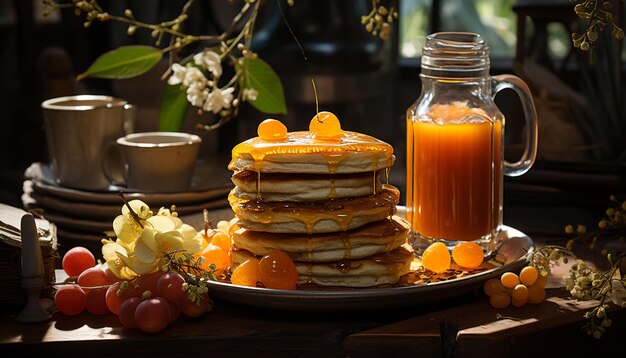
column 464, row 327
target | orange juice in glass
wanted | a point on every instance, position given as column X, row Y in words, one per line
column 455, row 144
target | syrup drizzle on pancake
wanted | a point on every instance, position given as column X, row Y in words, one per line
column 341, row 211
column 303, row 142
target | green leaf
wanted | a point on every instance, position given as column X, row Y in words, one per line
column 262, row 78
column 124, row 62
column 173, row 108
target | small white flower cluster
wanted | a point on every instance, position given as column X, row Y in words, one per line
column 202, row 92
column 587, row 283
column 584, row 283
column 546, row 257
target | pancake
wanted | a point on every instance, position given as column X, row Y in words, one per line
column 381, row 269
column 302, row 153
column 371, row 239
column 315, row 217
column 304, row 187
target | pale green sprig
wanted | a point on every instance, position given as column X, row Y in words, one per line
column 612, row 226
column 599, row 16
column 379, row 20
column 589, row 283
column 586, row 283
column 549, row 256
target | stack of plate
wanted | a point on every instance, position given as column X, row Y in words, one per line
column 88, row 215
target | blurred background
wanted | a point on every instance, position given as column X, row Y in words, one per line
column 367, row 82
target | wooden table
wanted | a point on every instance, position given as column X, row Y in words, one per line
column 465, row 326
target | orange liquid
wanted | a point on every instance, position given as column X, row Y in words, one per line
column 452, row 191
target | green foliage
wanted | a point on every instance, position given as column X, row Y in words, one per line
column 124, row 62
column 262, row 78
column 173, row 108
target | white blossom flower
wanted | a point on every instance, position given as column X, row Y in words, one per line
column 178, row 75
column 219, row 99
column 209, row 60
column 194, row 77
column 196, row 95
column 249, row 94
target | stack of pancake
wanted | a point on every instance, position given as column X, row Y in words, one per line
column 321, row 202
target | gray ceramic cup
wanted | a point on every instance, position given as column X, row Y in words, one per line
column 78, row 131
column 159, row 161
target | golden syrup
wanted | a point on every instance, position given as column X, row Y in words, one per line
column 394, row 229
column 304, row 143
column 309, row 213
column 346, row 245
column 257, row 165
column 397, row 256
column 333, row 189
column 334, row 160
column 345, row 266
column 374, row 183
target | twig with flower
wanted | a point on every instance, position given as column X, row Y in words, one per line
column 589, row 283
column 197, row 79
column 612, row 226
column 378, row 21
column 599, row 15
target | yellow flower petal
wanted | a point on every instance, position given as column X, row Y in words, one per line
column 169, row 241
column 139, row 207
column 161, row 223
column 125, row 231
column 109, row 250
column 194, row 244
column 164, row 212
column 142, row 268
column 118, row 224
column 127, row 274
column 147, row 238
column 113, row 254
column 188, row 231
column 177, row 221
column 144, row 253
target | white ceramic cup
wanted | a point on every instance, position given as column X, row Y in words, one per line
column 159, row 161
column 78, row 131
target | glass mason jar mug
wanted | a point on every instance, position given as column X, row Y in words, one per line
column 455, row 137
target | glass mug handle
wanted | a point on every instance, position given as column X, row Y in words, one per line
column 515, row 83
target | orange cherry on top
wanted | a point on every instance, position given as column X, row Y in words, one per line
column 272, row 130
column 325, row 125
